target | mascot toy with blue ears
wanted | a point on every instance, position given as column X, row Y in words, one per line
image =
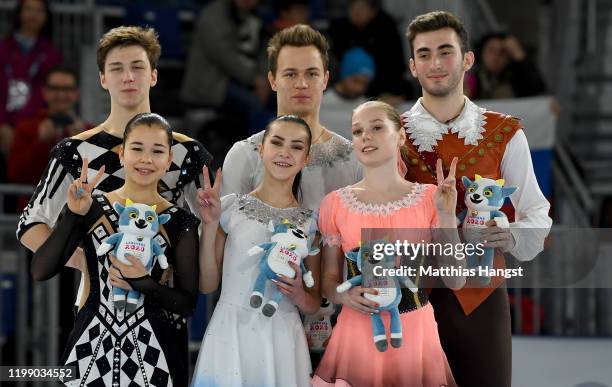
column 483, row 198
column 389, row 292
column 288, row 243
column 138, row 225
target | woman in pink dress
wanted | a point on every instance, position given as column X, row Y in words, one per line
column 383, row 199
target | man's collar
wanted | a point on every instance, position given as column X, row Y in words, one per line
column 425, row 131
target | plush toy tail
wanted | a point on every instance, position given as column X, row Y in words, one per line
column 103, row 249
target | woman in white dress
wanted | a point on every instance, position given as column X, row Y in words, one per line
column 332, row 166
column 242, row 345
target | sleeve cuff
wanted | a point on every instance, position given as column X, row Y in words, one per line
column 515, row 249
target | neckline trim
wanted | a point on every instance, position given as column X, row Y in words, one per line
column 350, row 200
column 425, row 131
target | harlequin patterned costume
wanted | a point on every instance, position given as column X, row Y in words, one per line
column 108, row 347
column 474, row 323
column 178, row 185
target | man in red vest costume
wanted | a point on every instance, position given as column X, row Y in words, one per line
column 473, row 323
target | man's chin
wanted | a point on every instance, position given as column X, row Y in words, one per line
column 302, row 108
column 438, row 91
column 130, row 101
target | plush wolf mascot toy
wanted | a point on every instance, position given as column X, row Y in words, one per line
column 138, row 225
column 483, row 199
column 287, row 244
column 389, row 293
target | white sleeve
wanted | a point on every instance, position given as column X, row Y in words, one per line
column 227, row 207
column 48, row 199
column 531, row 207
column 357, row 168
column 239, row 169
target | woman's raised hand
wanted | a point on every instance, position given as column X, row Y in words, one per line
column 79, row 193
column 446, row 193
column 209, row 198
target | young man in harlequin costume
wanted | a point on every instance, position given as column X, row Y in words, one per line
column 473, row 323
column 127, row 60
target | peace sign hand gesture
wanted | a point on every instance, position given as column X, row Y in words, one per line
column 79, row 193
column 209, row 198
column 446, row 193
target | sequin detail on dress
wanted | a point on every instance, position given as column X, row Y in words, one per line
column 325, row 154
column 332, row 150
column 255, row 209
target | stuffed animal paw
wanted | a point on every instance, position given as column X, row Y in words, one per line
column 163, row 261
column 343, row 287
column 254, row 250
column 501, row 222
column 104, row 248
column 409, row 284
column 308, row 279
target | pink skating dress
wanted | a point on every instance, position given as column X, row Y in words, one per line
column 351, row 358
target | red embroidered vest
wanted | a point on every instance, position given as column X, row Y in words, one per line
column 484, row 159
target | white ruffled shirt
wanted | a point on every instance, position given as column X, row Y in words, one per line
column 531, row 207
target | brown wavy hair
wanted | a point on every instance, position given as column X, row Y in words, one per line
column 129, row 36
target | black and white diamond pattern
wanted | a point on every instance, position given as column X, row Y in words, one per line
column 85, row 356
column 136, row 359
column 101, row 149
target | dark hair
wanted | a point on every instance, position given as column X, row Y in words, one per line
column 47, row 28
column 284, row 5
column 434, row 21
column 295, row 188
column 374, row 4
column 299, row 35
column 148, row 119
column 129, row 36
column 62, row 69
column 485, row 39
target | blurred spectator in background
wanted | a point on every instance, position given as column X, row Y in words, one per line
column 36, row 136
column 290, row 13
column 502, row 70
column 26, row 55
column 357, row 69
column 370, row 27
column 225, row 68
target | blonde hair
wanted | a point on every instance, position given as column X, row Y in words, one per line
column 389, row 110
column 392, row 115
